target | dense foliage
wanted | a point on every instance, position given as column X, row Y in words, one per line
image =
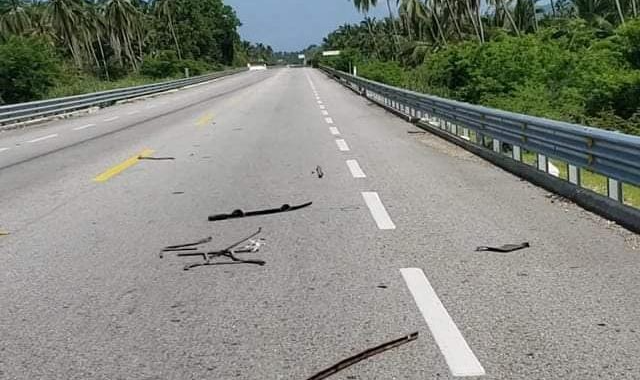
column 115, row 41
column 577, row 62
column 27, row 69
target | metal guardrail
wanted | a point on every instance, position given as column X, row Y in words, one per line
column 24, row 112
column 614, row 156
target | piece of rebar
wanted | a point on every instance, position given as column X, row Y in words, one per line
column 504, row 249
column 242, row 214
column 156, row 158
column 362, row 356
column 179, row 249
column 201, row 241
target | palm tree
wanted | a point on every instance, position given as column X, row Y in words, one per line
column 123, row 21
column 472, row 8
column 164, row 10
column 595, row 11
column 619, row 9
column 501, row 9
column 95, row 25
column 65, row 17
column 13, row 17
column 525, row 15
column 432, row 11
column 414, row 15
column 38, row 17
column 364, row 6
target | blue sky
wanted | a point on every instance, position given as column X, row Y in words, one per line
column 292, row 25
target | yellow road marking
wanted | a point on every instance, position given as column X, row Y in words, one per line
column 204, row 120
column 115, row 170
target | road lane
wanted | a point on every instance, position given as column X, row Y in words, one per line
column 88, row 296
column 564, row 308
column 85, row 294
column 118, row 117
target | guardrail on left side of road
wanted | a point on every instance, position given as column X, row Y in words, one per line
column 16, row 114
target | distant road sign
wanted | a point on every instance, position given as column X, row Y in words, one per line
column 301, row 56
column 330, row 53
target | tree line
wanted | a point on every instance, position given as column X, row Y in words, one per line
column 108, row 40
column 570, row 60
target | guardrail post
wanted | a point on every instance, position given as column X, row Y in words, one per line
column 542, row 163
column 574, row 175
column 614, row 189
column 496, row 146
column 517, row 153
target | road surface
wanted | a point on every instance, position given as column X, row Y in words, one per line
column 387, row 248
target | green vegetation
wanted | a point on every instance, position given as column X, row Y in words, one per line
column 27, row 69
column 578, row 61
column 62, row 47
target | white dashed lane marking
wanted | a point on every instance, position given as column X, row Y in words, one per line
column 342, row 145
column 325, row 112
column 3, row 149
column 323, row 107
column 43, row 138
column 456, row 351
column 355, row 169
column 84, row 127
column 133, row 113
column 334, row 131
column 111, row 119
column 378, row 212
column 328, row 120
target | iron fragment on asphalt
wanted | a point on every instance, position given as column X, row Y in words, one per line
column 242, row 214
column 318, row 172
column 362, row 356
column 191, row 250
column 156, row 158
column 504, row 248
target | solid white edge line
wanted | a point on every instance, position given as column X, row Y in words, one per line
column 328, row 120
column 342, row 145
column 43, row 138
column 3, row 149
column 378, row 212
column 334, row 131
column 111, row 119
column 457, row 353
column 84, row 127
column 355, row 169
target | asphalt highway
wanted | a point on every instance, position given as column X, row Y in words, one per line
column 387, row 248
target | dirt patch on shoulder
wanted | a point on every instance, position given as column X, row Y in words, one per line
column 446, row 147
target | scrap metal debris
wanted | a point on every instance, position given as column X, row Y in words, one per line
column 504, row 249
column 4, row 233
column 156, row 158
column 191, row 250
column 318, row 172
column 242, row 214
column 362, row 356
column 416, row 132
